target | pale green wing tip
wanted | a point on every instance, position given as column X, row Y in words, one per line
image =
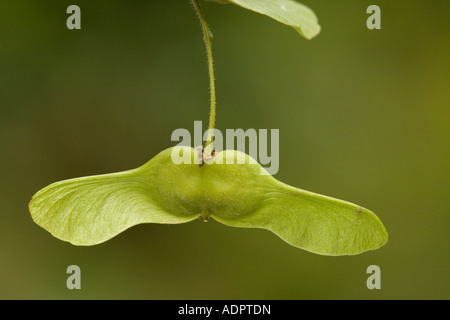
column 372, row 238
column 355, row 229
column 378, row 236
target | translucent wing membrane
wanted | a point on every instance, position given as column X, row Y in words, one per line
column 91, row 210
column 316, row 223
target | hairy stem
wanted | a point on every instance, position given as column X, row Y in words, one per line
column 212, row 116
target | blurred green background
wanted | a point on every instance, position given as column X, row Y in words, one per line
column 363, row 116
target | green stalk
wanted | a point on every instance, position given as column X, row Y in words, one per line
column 212, row 116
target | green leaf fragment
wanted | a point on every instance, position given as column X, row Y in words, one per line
column 91, row 210
column 288, row 12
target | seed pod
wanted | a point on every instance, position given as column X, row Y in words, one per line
column 91, row 210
